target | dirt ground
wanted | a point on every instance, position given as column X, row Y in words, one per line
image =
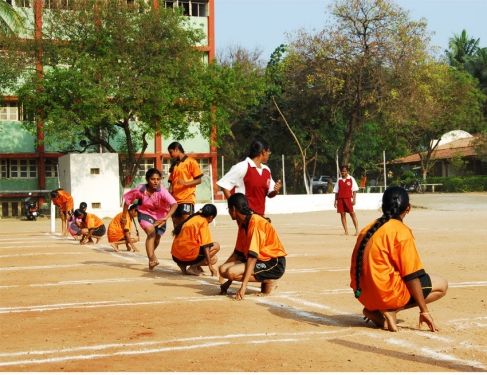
column 67, row 307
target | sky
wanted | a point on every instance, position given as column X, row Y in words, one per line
column 263, row 24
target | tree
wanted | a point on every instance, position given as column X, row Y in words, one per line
column 440, row 100
column 11, row 21
column 117, row 74
column 461, row 48
column 353, row 65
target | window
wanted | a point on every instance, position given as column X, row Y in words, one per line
column 189, row 7
column 22, row 168
column 9, row 111
column 144, row 165
column 23, row 3
column 94, row 170
column 4, row 168
column 51, row 167
column 95, row 205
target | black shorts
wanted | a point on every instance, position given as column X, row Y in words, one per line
column 426, row 286
column 271, row 269
column 100, row 231
column 201, row 257
column 184, row 209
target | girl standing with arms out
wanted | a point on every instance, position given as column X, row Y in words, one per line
column 192, row 246
column 259, row 255
column 386, row 272
column 155, row 207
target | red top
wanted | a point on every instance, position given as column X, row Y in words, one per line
column 345, row 188
column 256, row 188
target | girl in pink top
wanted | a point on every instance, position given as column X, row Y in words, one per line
column 155, row 207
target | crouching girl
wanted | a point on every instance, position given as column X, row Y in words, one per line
column 259, row 255
column 192, row 246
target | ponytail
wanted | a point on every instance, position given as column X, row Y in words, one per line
column 394, row 202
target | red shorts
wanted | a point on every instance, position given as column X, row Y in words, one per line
column 344, row 205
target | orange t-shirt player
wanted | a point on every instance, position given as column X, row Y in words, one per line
column 194, row 235
column 116, row 232
column 187, row 169
column 390, row 258
column 64, row 201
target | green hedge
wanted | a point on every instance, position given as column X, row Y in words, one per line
column 459, row 184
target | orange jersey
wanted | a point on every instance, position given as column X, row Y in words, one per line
column 194, row 234
column 91, row 221
column 115, row 230
column 389, row 256
column 64, row 201
column 188, row 169
column 259, row 240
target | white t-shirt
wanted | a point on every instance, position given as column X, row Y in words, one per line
column 234, row 178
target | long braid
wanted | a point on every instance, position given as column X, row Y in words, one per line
column 394, row 201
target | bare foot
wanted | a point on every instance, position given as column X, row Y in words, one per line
column 224, row 287
column 267, row 286
column 183, row 269
column 193, row 270
column 390, row 317
column 114, row 246
column 375, row 317
column 153, row 264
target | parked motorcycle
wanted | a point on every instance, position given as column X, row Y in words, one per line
column 31, row 208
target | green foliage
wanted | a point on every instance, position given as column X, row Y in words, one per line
column 461, row 184
column 116, row 71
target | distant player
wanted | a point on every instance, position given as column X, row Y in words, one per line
column 92, row 226
column 386, row 272
column 185, row 174
column 119, row 234
column 73, row 228
column 192, row 246
column 345, row 197
column 259, row 255
column 64, row 201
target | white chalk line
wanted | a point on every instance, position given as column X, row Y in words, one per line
column 42, row 254
column 102, row 304
column 231, row 339
column 432, row 353
column 85, row 282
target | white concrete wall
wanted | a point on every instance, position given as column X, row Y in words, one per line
column 75, row 177
column 288, row 204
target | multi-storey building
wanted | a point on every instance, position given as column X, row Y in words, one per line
column 29, row 164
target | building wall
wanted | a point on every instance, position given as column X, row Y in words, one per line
column 16, row 143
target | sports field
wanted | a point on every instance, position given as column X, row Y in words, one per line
column 66, row 307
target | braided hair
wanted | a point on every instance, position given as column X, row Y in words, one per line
column 394, row 202
column 206, row 211
column 241, row 204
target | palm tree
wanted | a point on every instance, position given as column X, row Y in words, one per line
column 10, row 20
column 461, row 48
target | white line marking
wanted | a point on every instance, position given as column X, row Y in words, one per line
column 85, row 282
column 186, row 339
column 101, row 304
column 42, row 254
column 52, row 266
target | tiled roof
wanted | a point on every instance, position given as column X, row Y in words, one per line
column 461, row 147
